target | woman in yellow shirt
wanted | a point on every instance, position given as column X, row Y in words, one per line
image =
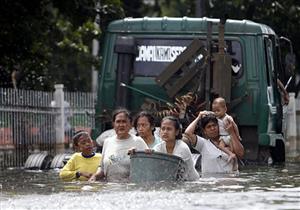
column 82, row 164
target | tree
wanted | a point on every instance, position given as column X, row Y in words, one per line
column 22, row 37
column 46, row 42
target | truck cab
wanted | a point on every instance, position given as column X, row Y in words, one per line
column 148, row 63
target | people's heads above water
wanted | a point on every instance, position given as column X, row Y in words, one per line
column 122, row 122
column 219, row 107
column 209, row 126
column 121, row 111
column 82, row 142
column 170, row 129
column 144, row 124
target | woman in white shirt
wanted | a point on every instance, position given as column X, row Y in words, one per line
column 145, row 127
column 115, row 165
column 213, row 160
column 170, row 133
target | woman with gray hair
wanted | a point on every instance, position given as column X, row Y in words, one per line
column 115, row 165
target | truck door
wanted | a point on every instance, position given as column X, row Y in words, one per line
column 277, row 147
column 272, row 93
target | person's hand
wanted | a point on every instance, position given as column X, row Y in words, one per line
column 93, row 178
column 131, row 151
column 149, row 151
column 203, row 113
column 232, row 157
column 97, row 176
column 86, row 174
column 200, row 115
column 229, row 127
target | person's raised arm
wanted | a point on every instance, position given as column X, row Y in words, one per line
column 283, row 92
column 237, row 147
column 190, row 130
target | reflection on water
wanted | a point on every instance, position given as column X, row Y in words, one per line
column 257, row 187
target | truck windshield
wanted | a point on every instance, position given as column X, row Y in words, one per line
column 154, row 55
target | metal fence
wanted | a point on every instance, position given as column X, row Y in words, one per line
column 28, row 121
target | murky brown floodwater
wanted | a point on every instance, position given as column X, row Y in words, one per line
column 257, row 187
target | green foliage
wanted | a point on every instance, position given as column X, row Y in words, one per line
column 177, row 8
column 109, row 12
column 47, row 42
column 22, row 41
column 159, row 8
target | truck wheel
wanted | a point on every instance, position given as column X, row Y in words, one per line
column 278, row 152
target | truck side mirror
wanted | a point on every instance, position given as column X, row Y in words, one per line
column 290, row 61
column 290, row 58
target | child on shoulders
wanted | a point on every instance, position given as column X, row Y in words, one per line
column 219, row 108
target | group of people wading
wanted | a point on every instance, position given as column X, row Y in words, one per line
column 219, row 145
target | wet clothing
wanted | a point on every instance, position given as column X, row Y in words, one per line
column 183, row 151
column 213, row 159
column 115, row 158
column 80, row 163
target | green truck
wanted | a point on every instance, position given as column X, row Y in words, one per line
column 178, row 65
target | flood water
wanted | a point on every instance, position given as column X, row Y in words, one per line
column 256, row 187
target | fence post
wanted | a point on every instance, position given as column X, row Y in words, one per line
column 60, row 118
column 291, row 137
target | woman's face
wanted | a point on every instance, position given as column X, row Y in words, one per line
column 168, row 131
column 122, row 125
column 143, row 127
column 211, row 130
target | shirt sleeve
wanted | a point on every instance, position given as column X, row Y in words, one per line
column 199, row 144
column 68, row 172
